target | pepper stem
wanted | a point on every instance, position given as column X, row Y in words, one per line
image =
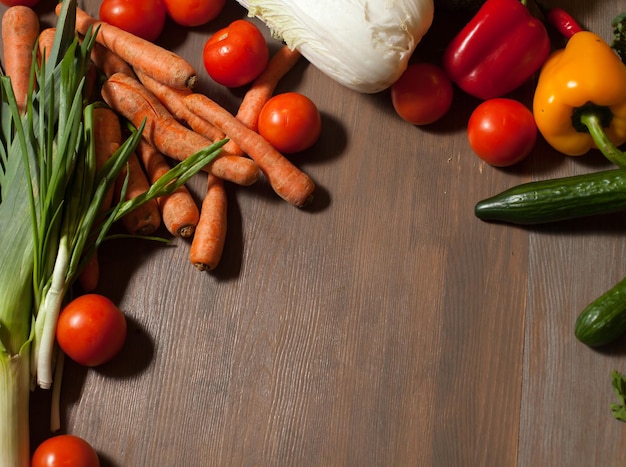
column 594, row 124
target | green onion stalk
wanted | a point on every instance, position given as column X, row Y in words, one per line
column 50, row 217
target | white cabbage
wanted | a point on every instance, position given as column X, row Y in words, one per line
column 363, row 44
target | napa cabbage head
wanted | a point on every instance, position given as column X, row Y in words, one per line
column 364, row 45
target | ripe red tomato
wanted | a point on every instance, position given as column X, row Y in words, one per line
column 65, row 450
column 423, row 94
column 502, row 131
column 191, row 13
column 291, row 122
column 143, row 19
column 19, row 2
column 91, row 330
column 236, row 55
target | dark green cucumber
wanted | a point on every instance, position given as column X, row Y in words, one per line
column 557, row 199
column 604, row 319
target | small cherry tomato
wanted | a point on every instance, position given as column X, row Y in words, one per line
column 91, row 330
column 291, row 122
column 236, row 55
column 423, row 94
column 65, row 450
column 19, row 2
column 143, row 19
column 502, row 131
column 191, row 13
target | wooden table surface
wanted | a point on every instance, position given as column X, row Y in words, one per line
column 383, row 326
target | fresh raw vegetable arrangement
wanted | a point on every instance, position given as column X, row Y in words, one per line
column 103, row 127
column 53, row 207
column 578, row 106
column 91, row 114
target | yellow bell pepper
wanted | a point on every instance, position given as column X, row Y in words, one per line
column 580, row 99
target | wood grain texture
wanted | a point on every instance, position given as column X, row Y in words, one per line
column 384, row 326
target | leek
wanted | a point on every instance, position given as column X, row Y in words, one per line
column 50, row 197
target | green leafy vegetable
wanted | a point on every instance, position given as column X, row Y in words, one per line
column 619, row 36
column 619, row 385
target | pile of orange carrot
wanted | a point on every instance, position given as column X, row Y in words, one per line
column 142, row 81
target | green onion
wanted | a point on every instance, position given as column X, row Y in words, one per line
column 50, row 219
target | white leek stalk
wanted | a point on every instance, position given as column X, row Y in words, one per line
column 14, row 399
column 15, row 320
column 363, row 44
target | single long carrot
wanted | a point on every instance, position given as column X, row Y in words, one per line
column 208, row 241
column 108, row 62
column 262, row 88
column 289, row 182
column 162, row 64
column 172, row 99
column 20, row 29
column 179, row 211
column 107, row 137
column 146, row 218
column 45, row 42
column 89, row 277
column 131, row 99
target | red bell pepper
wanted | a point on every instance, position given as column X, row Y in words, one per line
column 498, row 50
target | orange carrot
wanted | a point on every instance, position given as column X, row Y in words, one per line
column 107, row 134
column 162, row 64
column 107, row 138
column 263, row 87
column 208, row 241
column 172, row 99
column 179, row 210
column 90, row 275
column 20, row 29
column 45, row 41
column 131, row 99
column 144, row 219
column 289, row 182
column 108, row 62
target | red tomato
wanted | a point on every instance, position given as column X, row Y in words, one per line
column 236, row 55
column 191, row 13
column 422, row 94
column 91, row 330
column 65, row 450
column 291, row 122
column 19, row 2
column 502, row 131
column 143, row 19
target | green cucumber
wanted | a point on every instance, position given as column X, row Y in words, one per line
column 604, row 319
column 558, row 199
